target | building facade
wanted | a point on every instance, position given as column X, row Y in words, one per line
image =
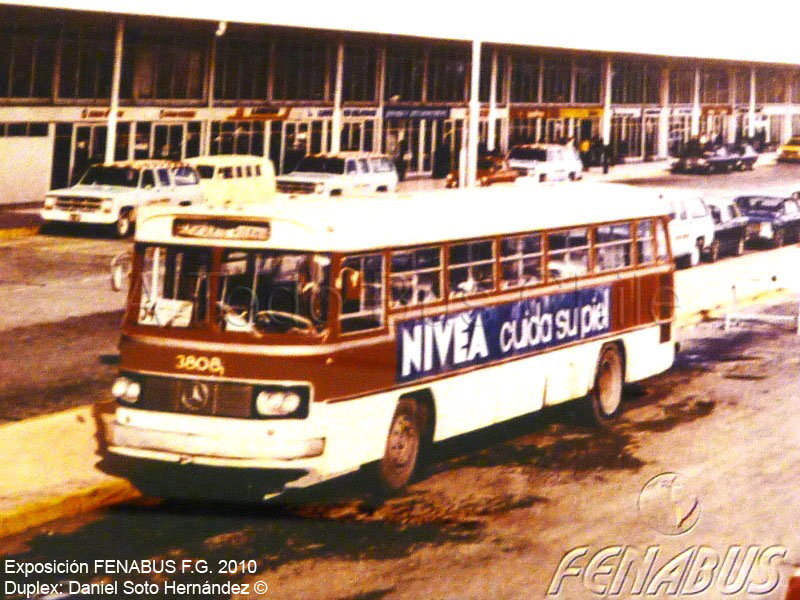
column 176, row 88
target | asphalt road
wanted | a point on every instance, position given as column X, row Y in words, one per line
column 494, row 512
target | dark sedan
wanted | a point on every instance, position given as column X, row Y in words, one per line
column 771, row 218
column 715, row 159
column 730, row 229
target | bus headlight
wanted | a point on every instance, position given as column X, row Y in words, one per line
column 126, row 390
column 49, row 202
column 282, row 402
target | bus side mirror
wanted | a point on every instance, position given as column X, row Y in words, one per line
column 350, row 284
column 120, row 269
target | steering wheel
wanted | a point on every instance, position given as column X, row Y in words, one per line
column 276, row 316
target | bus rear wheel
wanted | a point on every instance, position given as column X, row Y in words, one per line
column 403, row 445
column 605, row 399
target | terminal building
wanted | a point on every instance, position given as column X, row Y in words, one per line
column 174, row 87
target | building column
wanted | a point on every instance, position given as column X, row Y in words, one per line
column 474, row 115
column 751, row 110
column 505, row 134
column 663, row 115
column 113, row 110
column 605, row 125
column 377, row 136
column 694, row 126
column 336, row 118
column 786, row 131
column 732, row 121
column 491, row 130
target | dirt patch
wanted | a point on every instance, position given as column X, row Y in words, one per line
column 676, row 414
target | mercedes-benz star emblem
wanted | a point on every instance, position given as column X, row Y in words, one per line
column 194, row 396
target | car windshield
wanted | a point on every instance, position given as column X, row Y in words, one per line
column 528, row 154
column 205, row 171
column 117, row 176
column 320, row 164
column 273, row 291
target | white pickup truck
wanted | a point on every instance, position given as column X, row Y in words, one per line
column 109, row 194
column 339, row 174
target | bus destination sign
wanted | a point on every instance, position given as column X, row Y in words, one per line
column 241, row 231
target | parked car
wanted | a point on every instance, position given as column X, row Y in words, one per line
column 790, row 151
column 239, row 178
column 744, row 156
column 109, row 194
column 697, row 158
column 730, row 229
column 491, row 169
column 691, row 228
column 771, row 218
column 343, row 173
column 546, row 162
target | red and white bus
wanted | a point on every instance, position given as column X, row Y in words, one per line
column 317, row 336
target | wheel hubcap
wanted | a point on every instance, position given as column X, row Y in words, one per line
column 609, row 386
column 402, row 442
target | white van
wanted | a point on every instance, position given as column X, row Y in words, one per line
column 229, row 178
column 691, row 228
column 546, row 162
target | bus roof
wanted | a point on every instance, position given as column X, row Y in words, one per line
column 349, row 224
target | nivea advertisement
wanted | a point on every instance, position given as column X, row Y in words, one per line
column 433, row 345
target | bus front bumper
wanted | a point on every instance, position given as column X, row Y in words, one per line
column 253, row 444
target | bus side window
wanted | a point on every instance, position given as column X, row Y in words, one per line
column 227, row 172
column 644, row 242
column 365, row 312
column 612, row 246
column 521, row 261
column 416, row 277
column 661, row 242
column 238, row 172
column 568, row 253
column 471, row 268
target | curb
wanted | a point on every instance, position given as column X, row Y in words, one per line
column 14, row 233
column 90, row 498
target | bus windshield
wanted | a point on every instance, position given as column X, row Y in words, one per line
column 117, row 176
column 273, row 291
column 258, row 291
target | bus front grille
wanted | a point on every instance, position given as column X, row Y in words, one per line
column 197, row 397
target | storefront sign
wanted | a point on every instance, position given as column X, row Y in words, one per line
column 416, row 112
column 580, row 113
column 178, row 114
column 717, row 109
column 98, row 113
column 629, row 112
column 436, row 345
column 239, row 231
column 526, row 113
column 265, row 113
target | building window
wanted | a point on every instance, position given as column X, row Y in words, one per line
column 169, row 68
column 486, row 76
column 557, row 79
column 627, row 83
column 404, row 68
column 525, row 78
column 300, row 71
column 242, row 69
column 448, row 71
column 714, row 86
column 360, row 68
column 652, row 84
column 794, row 83
column 681, row 86
column 237, row 137
column 26, row 63
column 587, row 81
column 769, row 87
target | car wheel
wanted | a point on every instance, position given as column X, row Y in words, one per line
column 605, row 399
column 403, row 444
column 124, row 225
column 779, row 238
column 543, row 177
column 572, row 176
column 713, row 251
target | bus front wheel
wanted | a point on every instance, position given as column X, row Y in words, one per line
column 605, row 399
column 403, row 445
